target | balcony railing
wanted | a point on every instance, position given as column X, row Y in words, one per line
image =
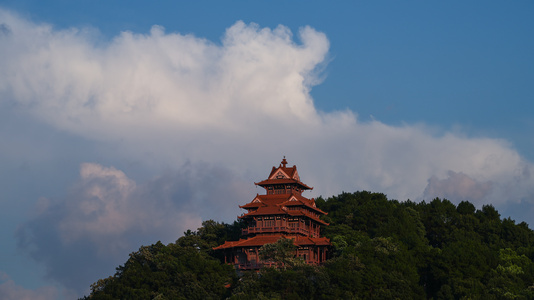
column 255, row 230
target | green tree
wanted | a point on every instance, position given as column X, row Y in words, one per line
column 181, row 270
column 282, row 252
column 382, row 249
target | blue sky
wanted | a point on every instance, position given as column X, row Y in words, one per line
column 127, row 122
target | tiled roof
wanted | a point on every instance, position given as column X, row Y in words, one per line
column 260, row 240
column 283, row 181
column 275, row 205
column 265, row 200
column 275, row 197
column 306, row 241
column 291, row 173
column 303, row 201
column 266, row 210
column 254, row 241
column 269, row 239
column 251, row 205
column 295, row 213
column 276, row 210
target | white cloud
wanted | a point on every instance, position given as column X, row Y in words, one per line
column 457, row 186
column 106, row 215
column 9, row 290
column 221, row 114
column 106, row 207
column 167, row 98
column 159, row 81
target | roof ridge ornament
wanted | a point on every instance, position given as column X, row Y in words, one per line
column 284, row 162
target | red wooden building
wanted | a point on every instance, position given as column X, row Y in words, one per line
column 281, row 213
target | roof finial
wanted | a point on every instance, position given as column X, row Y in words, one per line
column 284, row 162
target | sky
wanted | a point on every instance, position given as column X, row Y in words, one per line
column 127, row 122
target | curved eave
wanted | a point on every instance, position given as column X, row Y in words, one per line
column 303, row 201
column 308, row 241
column 296, row 213
column 258, row 241
column 268, row 182
column 294, row 203
column 251, row 205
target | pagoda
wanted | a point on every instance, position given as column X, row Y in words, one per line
column 282, row 212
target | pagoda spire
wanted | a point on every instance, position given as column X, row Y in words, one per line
column 284, row 162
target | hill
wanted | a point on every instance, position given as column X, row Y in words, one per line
column 382, row 249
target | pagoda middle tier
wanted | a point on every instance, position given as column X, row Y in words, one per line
column 283, row 213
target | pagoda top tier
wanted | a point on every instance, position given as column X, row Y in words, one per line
column 283, row 176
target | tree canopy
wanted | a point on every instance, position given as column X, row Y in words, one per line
column 382, row 249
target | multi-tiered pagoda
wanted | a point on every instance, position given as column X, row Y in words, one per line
column 281, row 213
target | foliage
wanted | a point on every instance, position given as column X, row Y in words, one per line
column 381, row 249
column 182, row 270
column 281, row 252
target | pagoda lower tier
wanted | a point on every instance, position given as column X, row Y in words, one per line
column 244, row 254
column 280, row 213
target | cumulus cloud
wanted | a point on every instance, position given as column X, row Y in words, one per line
column 106, row 215
column 9, row 290
column 221, row 113
column 159, row 80
column 457, row 186
column 168, row 98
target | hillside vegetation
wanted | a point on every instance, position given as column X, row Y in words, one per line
column 382, row 249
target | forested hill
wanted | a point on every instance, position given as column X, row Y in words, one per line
column 383, row 249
